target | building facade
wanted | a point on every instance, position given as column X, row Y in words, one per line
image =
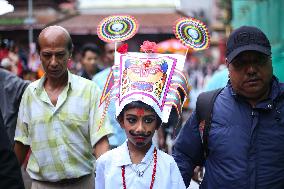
column 267, row 15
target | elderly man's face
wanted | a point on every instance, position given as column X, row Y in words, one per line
column 251, row 74
column 54, row 53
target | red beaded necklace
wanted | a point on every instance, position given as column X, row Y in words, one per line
column 153, row 174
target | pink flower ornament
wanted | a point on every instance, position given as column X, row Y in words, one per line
column 148, row 47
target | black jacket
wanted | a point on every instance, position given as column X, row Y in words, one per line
column 11, row 91
column 10, row 172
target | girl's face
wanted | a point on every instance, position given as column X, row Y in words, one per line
column 139, row 125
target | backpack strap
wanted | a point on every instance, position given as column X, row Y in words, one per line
column 204, row 108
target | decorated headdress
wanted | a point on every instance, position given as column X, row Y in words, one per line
column 155, row 79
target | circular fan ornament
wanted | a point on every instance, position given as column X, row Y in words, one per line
column 117, row 28
column 193, row 33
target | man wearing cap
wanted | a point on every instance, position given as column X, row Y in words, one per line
column 246, row 137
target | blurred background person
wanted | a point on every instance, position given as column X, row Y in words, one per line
column 100, row 79
column 90, row 56
column 8, row 65
column 219, row 78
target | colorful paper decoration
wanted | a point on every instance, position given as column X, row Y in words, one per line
column 117, row 28
column 193, row 33
column 155, row 79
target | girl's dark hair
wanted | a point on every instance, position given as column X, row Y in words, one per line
column 138, row 104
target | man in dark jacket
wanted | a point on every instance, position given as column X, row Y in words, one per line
column 10, row 174
column 11, row 90
column 246, row 138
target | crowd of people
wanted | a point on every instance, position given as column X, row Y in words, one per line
column 54, row 122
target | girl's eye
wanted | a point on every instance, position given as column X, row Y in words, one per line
column 149, row 120
column 131, row 120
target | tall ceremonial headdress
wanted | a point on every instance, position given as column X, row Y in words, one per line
column 155, row 79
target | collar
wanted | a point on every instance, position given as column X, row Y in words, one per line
column 123, row 157
column 39, row 87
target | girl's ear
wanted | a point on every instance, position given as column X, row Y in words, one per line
column 120, row 121
column 158, row 126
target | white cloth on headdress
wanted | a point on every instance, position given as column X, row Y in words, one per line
column 109, row 173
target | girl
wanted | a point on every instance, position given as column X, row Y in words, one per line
column 146, row 87
column 138, row 163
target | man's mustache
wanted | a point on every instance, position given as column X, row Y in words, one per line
column 147, row 134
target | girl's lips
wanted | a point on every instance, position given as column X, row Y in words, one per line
column 140, row 139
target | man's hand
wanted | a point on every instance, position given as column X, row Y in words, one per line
column 21, row 151
column 101, row 147
column 198, row 174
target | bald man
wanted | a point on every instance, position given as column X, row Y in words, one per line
column 59, row 120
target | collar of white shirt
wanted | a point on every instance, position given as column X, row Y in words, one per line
column 123, row 157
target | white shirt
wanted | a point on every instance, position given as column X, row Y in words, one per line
column 109, row 173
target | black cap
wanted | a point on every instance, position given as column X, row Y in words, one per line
column 247, row 38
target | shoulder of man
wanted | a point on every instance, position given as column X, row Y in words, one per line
column 33, row 84
column 101, row 75
column 109, row 155
column 281, row 87
column 12, row 78
column 12, row 85
column 205, row 102
column 3, row 74
column 204, row 112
